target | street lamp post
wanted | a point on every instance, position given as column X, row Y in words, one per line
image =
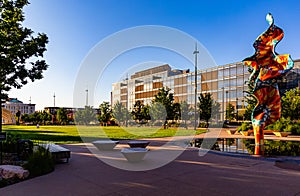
column 223, row 105
column 196, row 52
column 237, row 111
column 227, row 106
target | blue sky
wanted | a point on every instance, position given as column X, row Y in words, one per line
column 226, row 29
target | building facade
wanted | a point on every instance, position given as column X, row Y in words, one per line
column 226, row 83
column 14, row 105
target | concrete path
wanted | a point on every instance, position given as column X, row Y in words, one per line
column 189, row 174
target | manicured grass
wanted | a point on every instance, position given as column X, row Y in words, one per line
column 73, row 134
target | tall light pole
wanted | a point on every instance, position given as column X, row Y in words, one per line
column 223, row 105
column 87, row 97
column 196, row 52
column 227, row 106
column 54, row 99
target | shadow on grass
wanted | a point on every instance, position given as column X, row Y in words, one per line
column 30, row 131
column 42, row 136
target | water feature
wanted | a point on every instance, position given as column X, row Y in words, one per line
column 246, row 146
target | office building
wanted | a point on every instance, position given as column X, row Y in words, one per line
column 226, row 83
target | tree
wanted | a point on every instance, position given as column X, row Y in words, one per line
column 146, row 112
column 141, row 112
column 36, row 117
column 205, row 107
column 176, row 111
column 251, row 103
column 158, row 113
column 105, row 112
column 230, row 114
column 290, row 103
column 18, row 114
column 20, row 52
column 85, row 116
column 166, row 98
column 137, row 111
column 46, row 117
column 119, row 112
column 215, row 110
column 62, row 116
column 25, row 118
column 185, row 110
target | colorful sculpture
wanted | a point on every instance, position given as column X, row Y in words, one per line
column 267, row 67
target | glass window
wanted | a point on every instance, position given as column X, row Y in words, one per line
column 240, row 69
column 221, row 84
column 226, row 83
column 226, row 72
column 220, row 95
column 233, row 82
column 240, row 81
column 232, row 71
column 220, row 73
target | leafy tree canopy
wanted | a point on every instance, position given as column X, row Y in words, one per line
column 166, row 98
column 105, row 112
column 20, row 51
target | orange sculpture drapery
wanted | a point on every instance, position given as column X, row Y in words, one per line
column 267, row 66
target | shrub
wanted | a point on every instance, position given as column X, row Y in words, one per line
column 10, row 145
column 202, row 125
column 40, row 162
column 245, row 126
column 286, row 125
column 294, row 128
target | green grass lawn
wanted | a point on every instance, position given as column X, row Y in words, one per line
column 73, row 134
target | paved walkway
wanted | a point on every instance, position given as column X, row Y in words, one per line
column 189, row 174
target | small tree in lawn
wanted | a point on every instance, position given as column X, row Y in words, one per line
column 105, row 113
column 205, row 106
column 46, row 117
column 119, row 112
column 85, row 116
column 166, row 99
column 62, row 116
column 137, row 111
column 20, row 51
column 216, row 107
column 185, row 109
column 18, row 115
column 158, row 113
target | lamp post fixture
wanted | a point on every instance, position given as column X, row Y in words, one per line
column 196, row 52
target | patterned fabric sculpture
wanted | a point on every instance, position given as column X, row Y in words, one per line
column 267, row 67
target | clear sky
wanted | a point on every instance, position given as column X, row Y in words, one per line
column 226, row 28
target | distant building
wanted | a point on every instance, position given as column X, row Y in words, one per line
column 14, row 105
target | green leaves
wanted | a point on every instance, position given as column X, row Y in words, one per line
column 291, row 104
column 166, row 98
column 20, row 51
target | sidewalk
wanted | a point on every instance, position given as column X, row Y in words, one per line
column 189, row 174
